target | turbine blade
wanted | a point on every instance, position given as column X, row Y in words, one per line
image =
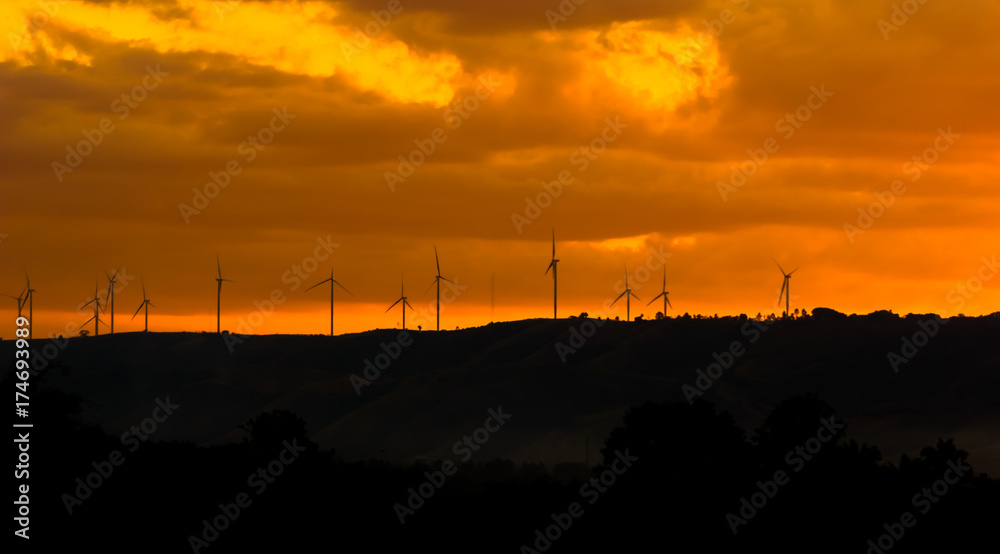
column 393, row 305
column 619, row 298
column 668, row 302
column 317, row 284
column 342, row 286
column 138, row 310
column 436, row 261
column 793, row 271
column 551, row 265
column 432, row 285
column 407, row 303
column 634, row 296
column 655, row 298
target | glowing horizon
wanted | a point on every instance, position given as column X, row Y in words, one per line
column 152, row 136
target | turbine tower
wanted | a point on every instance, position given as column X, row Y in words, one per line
column 111, row 299
column 437, row 281
column 97, row 307
column 218, row 300
column 786, row 289
column 145, row 304
column 552, row 266
column 402, row 298
column 332, row 282
column 627, row 294
column 666, row 301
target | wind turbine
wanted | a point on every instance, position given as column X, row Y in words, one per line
column 332, row 282
column 97, row 307
column 20, row 301
column 111, row 299
column 402, row 298
column 437, row 280
column 29, row 295
column 552, row 266
column 628, row 293
column 666, row 301
column 145, row 304
column 786, row 288
column 218, row 301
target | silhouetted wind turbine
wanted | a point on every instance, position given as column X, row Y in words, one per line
column 402, row 298
column 332, row 282
column 552, row 266
column 437, row 280
column 111, row 299
column 666, row 301
column 628, row 293
column 786, row 288
column 29, row 295
column 97, row 307
column 218, row 301
column 20, row 301
column 145, row 304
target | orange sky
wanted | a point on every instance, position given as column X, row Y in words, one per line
column 116, row 116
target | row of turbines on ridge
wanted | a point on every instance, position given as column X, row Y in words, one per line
column 25, row 298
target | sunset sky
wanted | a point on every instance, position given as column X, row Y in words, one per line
column 712, row 135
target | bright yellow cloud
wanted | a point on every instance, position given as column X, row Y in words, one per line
column 657, row 70
column 300, row 38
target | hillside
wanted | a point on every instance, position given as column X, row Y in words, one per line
column 442, row 384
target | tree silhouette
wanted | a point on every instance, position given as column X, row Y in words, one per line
column 269, row 430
